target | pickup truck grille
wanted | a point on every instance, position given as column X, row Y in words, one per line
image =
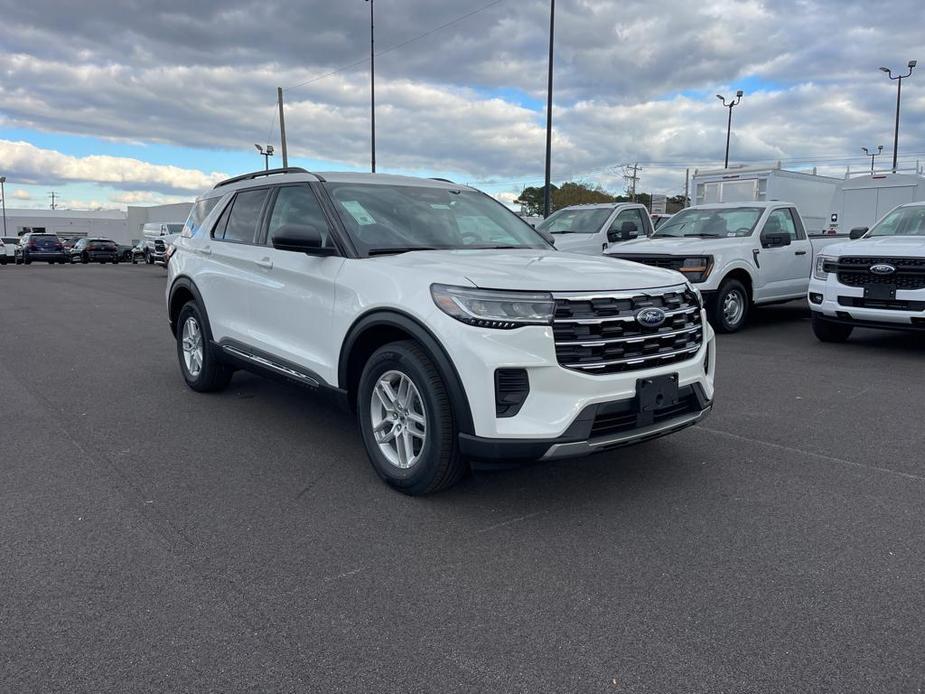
column 599, row 334
column 668, row 262
column 855, row 272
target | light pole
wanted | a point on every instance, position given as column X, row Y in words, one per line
column 899, row 90
column 730, row 105
column 3, row 201
column 552, row 26
column 872, row 155
column 266, row 154
column 372, row 87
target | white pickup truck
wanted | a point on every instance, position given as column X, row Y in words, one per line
column 737, row 254
column 877, row 281
column 591, row 229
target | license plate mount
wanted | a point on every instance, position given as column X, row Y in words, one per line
column 656, row 392
column 880, row 291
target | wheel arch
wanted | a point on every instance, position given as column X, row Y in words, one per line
column 743, row 275
column 381, row 326
column 183, row 290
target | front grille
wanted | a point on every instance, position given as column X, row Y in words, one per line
column 599, row 334
column 887, row 304
column 616, row 418
column 159, row 246
column 668, row 262
column 854, row 271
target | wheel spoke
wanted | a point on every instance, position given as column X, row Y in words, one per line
column 409, row 446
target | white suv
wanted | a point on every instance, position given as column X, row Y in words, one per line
column 452, row 328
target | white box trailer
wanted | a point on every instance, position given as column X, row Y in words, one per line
column 811, row 193
column 859, row 201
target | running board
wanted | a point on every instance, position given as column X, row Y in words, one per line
column 272, row 365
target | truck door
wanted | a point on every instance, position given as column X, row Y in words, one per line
column 783, row 271
column 627, row 214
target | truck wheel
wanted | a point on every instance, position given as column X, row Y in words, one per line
column 827, row 331
column 407, row 421
column 729, row 309
column 201, row 368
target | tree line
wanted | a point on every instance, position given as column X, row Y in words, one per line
column 577, row 193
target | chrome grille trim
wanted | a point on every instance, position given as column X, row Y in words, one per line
column 635, row 338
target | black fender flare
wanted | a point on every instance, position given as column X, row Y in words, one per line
column 184, row 282
column 398, row 319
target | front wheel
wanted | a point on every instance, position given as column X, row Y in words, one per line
column 827, row 331
column 202, row 370
column 407, row 421
column 729, row 308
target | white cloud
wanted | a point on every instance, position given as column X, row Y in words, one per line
column 21, row 194
column 28, row 163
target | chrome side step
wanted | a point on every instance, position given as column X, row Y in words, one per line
column 267, row 363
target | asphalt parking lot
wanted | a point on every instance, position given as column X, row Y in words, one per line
column 158, row 539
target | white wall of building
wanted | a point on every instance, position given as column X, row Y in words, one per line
column 137, row 217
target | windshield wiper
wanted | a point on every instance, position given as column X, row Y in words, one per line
column 402, row 249
column 569, row 232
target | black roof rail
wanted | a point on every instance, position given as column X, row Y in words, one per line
column 258, row 174
column 445, row 180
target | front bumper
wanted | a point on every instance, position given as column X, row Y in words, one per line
column 580, row 439
column 833, row 301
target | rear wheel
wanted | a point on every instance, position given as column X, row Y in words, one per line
column 729, row 307
column 827, row 331
column 202, row 370
column 407, row 421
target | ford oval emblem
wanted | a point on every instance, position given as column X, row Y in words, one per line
column 650, row 317
column 882, row 269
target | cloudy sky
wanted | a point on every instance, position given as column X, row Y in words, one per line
column 133, row 102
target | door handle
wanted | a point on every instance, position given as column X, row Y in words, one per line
column 799, row 252
column 265, row 263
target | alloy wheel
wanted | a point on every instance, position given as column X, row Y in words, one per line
column 398, row 419
column 191, row 339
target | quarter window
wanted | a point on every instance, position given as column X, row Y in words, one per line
column 242, row 218
column 297, row 206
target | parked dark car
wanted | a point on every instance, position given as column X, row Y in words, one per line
column 95, row 251
column 38, row 247
column 126, row 253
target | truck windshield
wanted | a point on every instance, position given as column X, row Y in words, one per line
column 394, row 218
column 906, row 221
column 587, row 221
column 710, row 223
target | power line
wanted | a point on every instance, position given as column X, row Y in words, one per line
column 397, row 45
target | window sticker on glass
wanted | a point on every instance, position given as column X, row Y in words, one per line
column 439, row 207
column 358, row 212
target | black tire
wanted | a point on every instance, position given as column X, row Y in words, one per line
column 724, row 321
column 85, row 259
column 827, row 331
column 214, row 375
column 148, row 259
column 27, row 261
column 439, row 464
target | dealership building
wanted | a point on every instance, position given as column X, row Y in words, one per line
column 120, row 226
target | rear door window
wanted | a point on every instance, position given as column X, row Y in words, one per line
column 244, row 216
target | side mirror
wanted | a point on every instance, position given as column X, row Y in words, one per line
column 775, row 239
column 301, row 238
column 858, row 232
column 627, row 231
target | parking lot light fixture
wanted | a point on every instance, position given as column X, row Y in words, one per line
column 872, row 155
column 733, row 103
column 266, row 153
column 899, row 89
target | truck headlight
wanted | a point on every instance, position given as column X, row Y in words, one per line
column 488, row 308
column 819, row 271
column 697, row 268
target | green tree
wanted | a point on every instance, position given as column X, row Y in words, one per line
column 576, row 193
column 531, row 200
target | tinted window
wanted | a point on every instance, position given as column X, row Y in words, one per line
column 245, row 216
column 297, row 206
column 579, row 221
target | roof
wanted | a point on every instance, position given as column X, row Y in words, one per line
column 66, row 214
column 334, row 177
column 745, row 203
column 597, row 205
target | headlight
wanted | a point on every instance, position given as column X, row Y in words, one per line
column 819, row 271
column 697, row 268
column 489, row 308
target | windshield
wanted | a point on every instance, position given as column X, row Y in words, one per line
column 710, row 223
column 174, row 228
column 905, row 221
column 393, row 218
column 586, row 221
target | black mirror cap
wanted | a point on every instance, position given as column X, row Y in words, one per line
column 775, row 239
column 301, row 238
column 858, row 232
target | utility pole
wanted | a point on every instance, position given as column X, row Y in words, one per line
column 899, row 89
column 631, row 179
column 3, row 201
column 872, row 155
column 53, row 195
column 282, row 129
column 687, row 179
column 372, row 86
column 552, row 27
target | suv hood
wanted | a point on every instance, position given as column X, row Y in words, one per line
column 669, row 246
column 530, row 270
column 566, row 242
column 884, row 245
